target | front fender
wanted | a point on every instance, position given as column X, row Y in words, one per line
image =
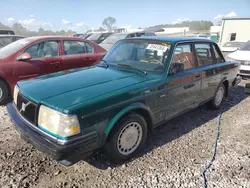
column 134, row 106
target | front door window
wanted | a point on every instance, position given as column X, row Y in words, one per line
column 43, row 49
column 183, row 54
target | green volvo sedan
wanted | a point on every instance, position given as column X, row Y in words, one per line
column 139, row 84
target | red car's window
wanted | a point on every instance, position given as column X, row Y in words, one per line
column 43, row 49
column 89, row 48
column 77, row 47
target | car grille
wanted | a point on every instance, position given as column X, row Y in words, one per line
column 245, row 62
column 27, row 108
column 244, row 71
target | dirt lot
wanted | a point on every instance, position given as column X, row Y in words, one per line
column 174, row 155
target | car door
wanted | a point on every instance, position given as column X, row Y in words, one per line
column 45, row 59
column 210, row 71
column 78, row 54
column 183, row 89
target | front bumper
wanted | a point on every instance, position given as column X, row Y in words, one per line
column 67, row 153
column 237, row 80
column 244, row 70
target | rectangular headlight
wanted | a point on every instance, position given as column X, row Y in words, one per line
column 57, row 123
column 15, row 94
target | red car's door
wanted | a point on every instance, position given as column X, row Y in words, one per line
column 78, row 54
column 45, row 59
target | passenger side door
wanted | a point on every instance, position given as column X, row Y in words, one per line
column 183, row 88
column 78, row 54
column 45, row 59
column 211, row 73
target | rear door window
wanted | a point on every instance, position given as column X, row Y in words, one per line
column 204, row 54
column 89, row 48
column 183, row 54
column 77, row 47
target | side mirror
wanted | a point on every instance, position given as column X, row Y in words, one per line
column 24, row 57
column 175, row 68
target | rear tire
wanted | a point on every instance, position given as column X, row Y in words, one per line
column 127, row 138
column 218, row 97
column 4, row 93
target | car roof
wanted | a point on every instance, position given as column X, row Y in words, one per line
column 55, row 37
column 12, row 36
column 234, row 41
column 171, row 39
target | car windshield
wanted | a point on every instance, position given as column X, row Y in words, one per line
column 94, row 36
column 141, row 55
column 114, row 38
column 246, row 46
column 77, row 35
column 233, row 44
column 13, row 47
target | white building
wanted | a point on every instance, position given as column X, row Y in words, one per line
column 235, row 29
column 215, row 29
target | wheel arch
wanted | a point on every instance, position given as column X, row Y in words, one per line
column 139, row 108
column 225, row 82
column 7, row 84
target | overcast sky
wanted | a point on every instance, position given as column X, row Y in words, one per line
column 80, row 15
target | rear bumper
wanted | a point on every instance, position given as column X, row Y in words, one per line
column 67, row 153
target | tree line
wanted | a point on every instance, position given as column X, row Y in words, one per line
column 193, row 25
column 20, row 30
column 108, row 24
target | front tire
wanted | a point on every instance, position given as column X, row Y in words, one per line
column 127, row 138
column 218, row 97
column 4, row 93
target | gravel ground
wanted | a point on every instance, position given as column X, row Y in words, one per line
column 174, row 155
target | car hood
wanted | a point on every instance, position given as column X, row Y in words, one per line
column 106, row 46
column 228, row 49
column 67, row 88
column 240, row 55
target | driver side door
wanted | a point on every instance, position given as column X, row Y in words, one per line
column 183, row 88
column 45, row 59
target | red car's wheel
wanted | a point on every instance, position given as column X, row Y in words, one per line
column 4, row 92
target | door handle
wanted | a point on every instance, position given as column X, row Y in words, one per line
column 88, row 59
column 188, row 86
column 218, row 69
column 226, row 73
column 55, row 63
column 197, row 76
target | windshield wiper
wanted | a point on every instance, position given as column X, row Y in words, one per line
column 105, row 62
column 132, row 67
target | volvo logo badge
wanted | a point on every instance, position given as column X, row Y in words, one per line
column 24, row 106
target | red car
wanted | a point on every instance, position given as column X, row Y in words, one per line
column 35, row 56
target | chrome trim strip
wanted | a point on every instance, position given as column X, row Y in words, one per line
column 33, row 126
column 56, row 140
